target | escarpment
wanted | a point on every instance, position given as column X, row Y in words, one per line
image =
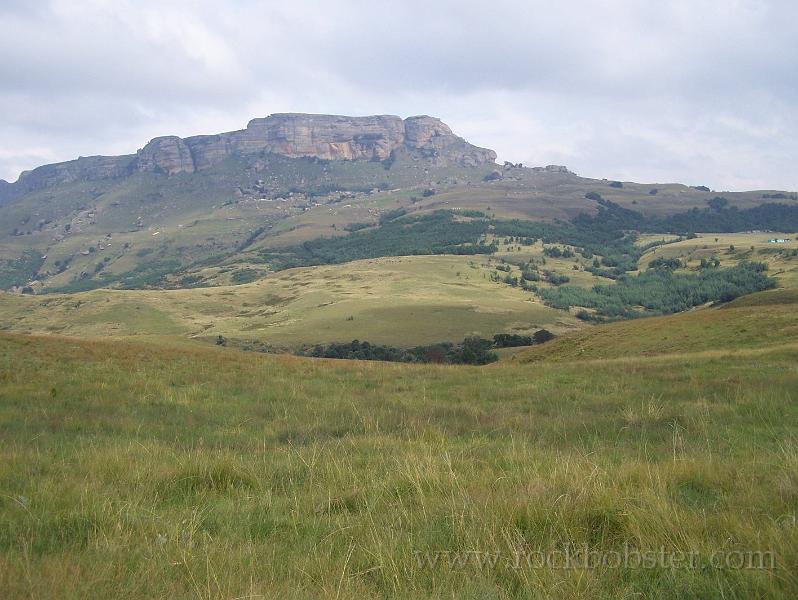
column 326, row 137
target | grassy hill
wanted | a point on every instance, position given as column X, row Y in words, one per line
column 138, row 230
column 402, row 301
column 766, row 319
column 133, row 470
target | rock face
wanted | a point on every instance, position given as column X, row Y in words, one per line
column 5, row 190
column 168, row 154
column 323, row 136
column 326, row 137
column 90, row 168
column 294, row 135
column 420, row 130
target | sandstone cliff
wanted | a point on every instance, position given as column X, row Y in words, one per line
column 169, row 154
column 326, row 137
column 322, row 136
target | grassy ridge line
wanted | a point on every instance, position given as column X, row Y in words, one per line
column 758, row 320
column 435, row 298
column 673, row 356
column 133, row 471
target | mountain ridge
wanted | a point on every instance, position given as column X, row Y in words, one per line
column 294, row 135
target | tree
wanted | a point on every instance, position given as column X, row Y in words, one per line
column 476, row 351
column 542, row 336
column 718, row 203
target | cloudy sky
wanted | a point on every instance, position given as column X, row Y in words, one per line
column 696, row 91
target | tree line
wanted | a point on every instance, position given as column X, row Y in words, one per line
column 471, row 351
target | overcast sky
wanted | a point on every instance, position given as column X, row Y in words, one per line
column 695, row 91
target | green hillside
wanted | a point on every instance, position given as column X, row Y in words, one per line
column 764, row 320
column 153, row 230
column 400, row 301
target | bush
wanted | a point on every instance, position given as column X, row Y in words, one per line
column 556, row 278
column 352, row 227
column 552, row 252
column 511, row 340
column 530, row 276
column 392, row 215
column 665, row 263
column 474, row 351
column 244, row 276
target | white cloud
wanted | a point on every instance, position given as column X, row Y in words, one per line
column 701, row 91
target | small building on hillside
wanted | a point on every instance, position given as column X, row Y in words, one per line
column 778, row 240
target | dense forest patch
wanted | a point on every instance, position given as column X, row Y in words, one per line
column 661, row 291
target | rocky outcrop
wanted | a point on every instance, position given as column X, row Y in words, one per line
column 435, row 140
column 326, row 137
column 85, row 168
column 6, row 190
column 168, row 155
column 323, row 136
column 553, row 169
column 294, row 135
column 419, row 131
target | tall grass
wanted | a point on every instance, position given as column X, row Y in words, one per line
column 128, row 471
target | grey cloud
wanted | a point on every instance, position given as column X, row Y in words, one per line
column 701, row 90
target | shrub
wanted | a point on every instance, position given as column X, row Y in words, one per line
column 244, row 276
column 511, row 340
column 542, row 336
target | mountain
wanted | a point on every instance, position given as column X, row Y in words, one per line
column 195, row 211
column 5, row 190
column 324, row 137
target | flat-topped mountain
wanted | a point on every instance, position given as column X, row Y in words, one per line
column 184, row 212
column 292, row 135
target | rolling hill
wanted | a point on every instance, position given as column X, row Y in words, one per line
column 178, row 206
column 158, row 439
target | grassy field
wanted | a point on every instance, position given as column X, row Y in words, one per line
column 434, row 298
column 662, row 451
column 431, row 298
column 763, row 320
column 134, row 470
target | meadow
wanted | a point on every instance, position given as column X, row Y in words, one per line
column 433, row 298
column 135, row 470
